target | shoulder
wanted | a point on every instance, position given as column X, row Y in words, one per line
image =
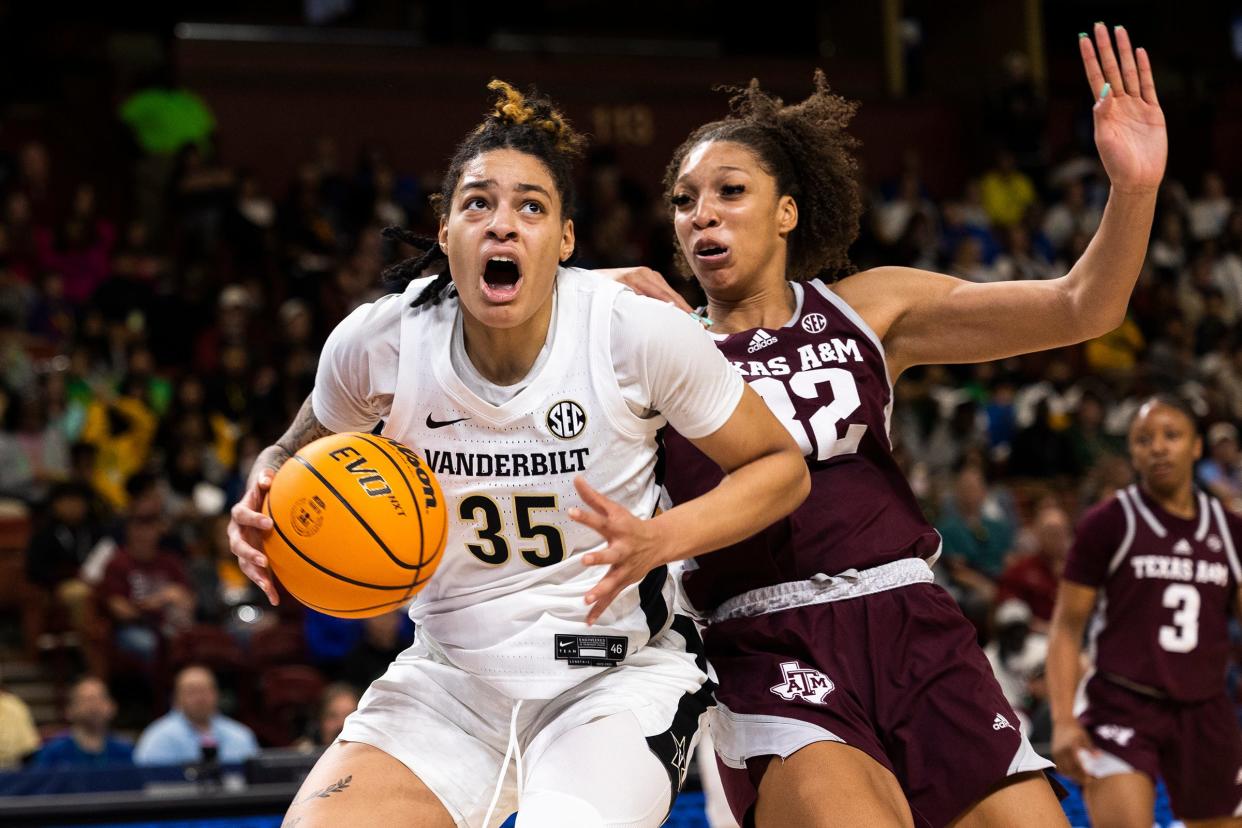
column 1105, row 519
column 376, row 317
column 881, row 295
column 233, row 729
column 162, row 727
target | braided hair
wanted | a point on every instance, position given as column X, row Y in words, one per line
column 527, row 123
column 806, row 148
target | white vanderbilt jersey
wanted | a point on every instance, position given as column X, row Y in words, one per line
column 507, row 602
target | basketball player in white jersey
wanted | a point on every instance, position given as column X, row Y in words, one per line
column 534, row 393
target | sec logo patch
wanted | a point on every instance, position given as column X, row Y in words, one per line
column 566, row 419
column 814, row 322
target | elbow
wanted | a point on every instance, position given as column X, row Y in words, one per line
column 799, row 480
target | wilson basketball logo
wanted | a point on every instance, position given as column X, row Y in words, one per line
column 368, row 478
column 814, row 322
column 307, row 515
column 566, row 419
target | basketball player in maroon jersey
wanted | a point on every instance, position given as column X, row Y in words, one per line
column 1158, row 565
column 835, row 652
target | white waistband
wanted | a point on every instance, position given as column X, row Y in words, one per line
column 821, row 589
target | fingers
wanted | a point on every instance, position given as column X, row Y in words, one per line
column 262, row 578
column 1125, row 53
column 243, row 515
column 1095, row 76
column 605, row 592
column 592, row 520
column 591, row 497
column 1147, row 82
column 1108, row 60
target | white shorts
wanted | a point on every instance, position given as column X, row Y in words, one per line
column 451, row 728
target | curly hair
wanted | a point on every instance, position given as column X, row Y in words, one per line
column 807, row 149
column 527, row 123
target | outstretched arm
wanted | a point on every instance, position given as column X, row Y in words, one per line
column 932, row 318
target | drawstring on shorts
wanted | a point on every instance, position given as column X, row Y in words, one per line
column 512, row 750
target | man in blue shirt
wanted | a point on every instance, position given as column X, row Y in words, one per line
column 195, row 727
column 87, row 743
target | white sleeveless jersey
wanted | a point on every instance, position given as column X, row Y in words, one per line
column 507, row 601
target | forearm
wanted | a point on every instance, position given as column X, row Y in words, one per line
column 304, row 429
column 1062, row 668
column 1098, row 287
column 750, row 498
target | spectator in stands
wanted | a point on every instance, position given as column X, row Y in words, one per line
column 145, row 591
column 1032, row 578
column 1221, row 471
column 1071, row 215
column 339, row 700
column 88, row 742
column 976, row 534
column 195, row 730
column 18, row 736
column 54, row 558
column 1007, row 191
column 1016, row 653
column 1211, row 210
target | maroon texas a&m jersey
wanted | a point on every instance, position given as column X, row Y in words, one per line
column 1166, row 590
column 824, row 377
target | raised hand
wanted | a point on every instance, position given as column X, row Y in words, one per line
column 633, row 549
column 1129, row 126
column 247, row 527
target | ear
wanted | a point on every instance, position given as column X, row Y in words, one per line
column 786, row 215
column 1198, row 448
column 567, row 239
column 442, row 236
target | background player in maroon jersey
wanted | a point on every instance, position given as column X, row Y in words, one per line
column 1161, row 558
column 884, row 699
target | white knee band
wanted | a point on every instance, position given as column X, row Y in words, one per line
column 553, row 809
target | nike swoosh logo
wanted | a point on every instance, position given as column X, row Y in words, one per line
column 432, row 423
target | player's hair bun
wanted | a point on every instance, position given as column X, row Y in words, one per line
column 512, row 108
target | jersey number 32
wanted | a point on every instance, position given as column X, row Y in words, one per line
column 823, row 423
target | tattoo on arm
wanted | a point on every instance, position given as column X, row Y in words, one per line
column 336, row 787
column 305, row 429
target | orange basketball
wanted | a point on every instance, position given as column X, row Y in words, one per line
column 359, row 525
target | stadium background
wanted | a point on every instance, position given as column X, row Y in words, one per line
column 190, row 199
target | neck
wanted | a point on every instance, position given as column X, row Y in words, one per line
column 198, row 724
column 88, row 738
column 1180, row 502
column 768, row 306
column 505, row 355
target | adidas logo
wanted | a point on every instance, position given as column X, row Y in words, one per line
column 1182, row 547
column 1000, row 723
column 760, row 340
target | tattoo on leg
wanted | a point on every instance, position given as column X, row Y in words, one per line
column 336, row 787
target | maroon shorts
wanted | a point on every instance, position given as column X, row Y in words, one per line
column 1195, row 746
column 897, row 674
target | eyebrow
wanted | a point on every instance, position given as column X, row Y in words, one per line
column 721, row 167
column 490, row 183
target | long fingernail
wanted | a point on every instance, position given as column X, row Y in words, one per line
column 1081, row 35
column 1118, row 28
column 1099, row 22
column 1104, row 92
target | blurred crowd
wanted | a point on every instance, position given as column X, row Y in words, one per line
column 150, row 346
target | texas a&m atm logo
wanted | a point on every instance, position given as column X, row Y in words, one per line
column 803, row 683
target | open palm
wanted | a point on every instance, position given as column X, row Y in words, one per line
column 1129, row 126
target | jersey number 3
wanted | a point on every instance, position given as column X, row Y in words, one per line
column 823, row 422
column 1183, row 636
